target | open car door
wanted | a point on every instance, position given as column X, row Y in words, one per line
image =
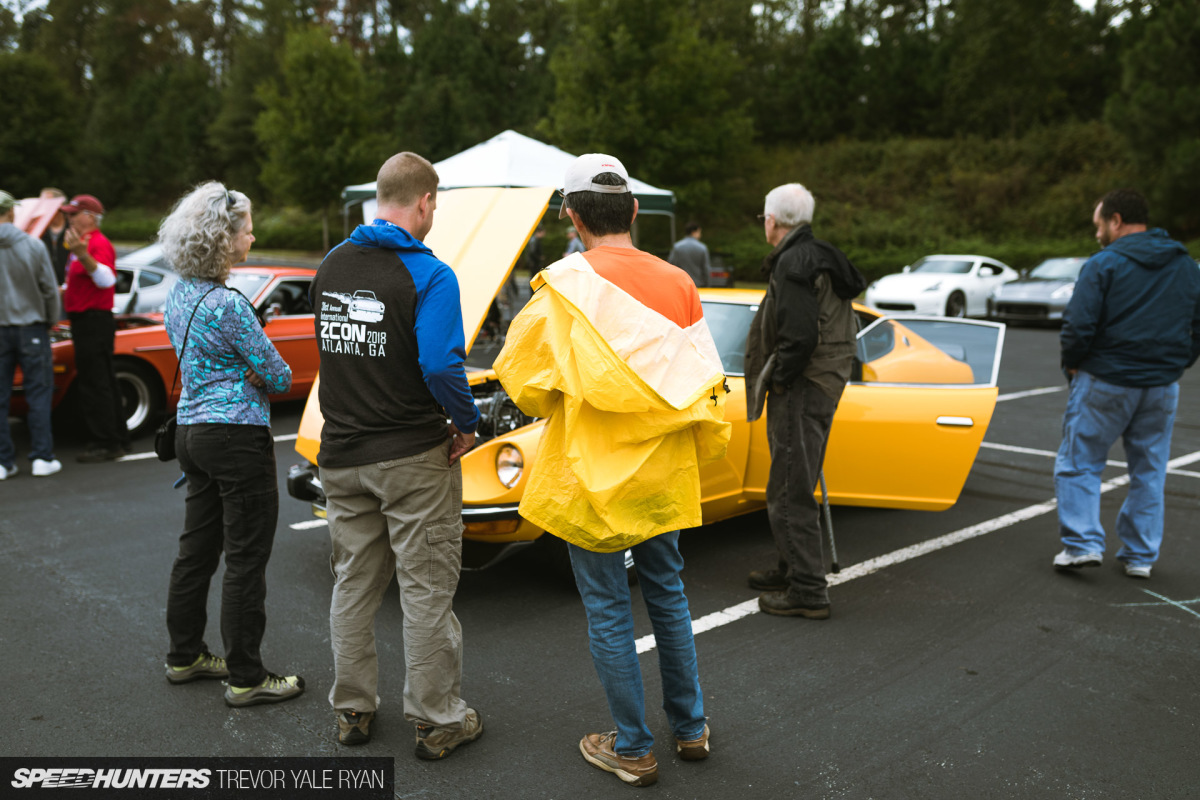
column 911, row 420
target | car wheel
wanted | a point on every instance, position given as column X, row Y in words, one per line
column 956, row 305
column 141, row 395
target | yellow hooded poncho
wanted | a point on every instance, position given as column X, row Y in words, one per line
column 633, row 403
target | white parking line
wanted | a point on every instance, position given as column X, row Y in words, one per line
column 283, row 437
column 734, row 613
column 1051, row 454
column 1030, row 393
column 308, row 524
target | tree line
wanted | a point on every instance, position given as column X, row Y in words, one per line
column 135, row 100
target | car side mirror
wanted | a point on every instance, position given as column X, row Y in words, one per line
column 274, row 310
column 907, row 269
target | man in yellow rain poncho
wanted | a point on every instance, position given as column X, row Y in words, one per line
column 614, row 352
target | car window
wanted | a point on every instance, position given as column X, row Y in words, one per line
column 124, row 281
column 292, row 297
column 248, row 283
column 1058, row 269
column 148, row 278
column 942, row 266
column 929, row 351
column 730, row 325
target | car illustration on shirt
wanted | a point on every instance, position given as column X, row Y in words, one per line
column 362, row 306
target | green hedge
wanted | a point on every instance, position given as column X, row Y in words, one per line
column 274, row 229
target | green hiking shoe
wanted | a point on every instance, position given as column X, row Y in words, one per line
column 354, row 727
column 206, row 665
column 273, row 689
column 434, row 743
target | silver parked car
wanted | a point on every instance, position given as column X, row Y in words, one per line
column 1040, row 296
column 144, row 278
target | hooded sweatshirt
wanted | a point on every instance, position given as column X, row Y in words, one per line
column 1134, row 318
column 389, row 325
column 28, row 292
column 806, row 325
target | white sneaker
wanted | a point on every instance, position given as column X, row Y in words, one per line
column 1139, row 571
column 7, row 472
column 42, row 468
column 1065, row 560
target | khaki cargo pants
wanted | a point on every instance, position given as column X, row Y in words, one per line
column 403, row 515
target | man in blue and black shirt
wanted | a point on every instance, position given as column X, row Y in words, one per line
column 389, row 327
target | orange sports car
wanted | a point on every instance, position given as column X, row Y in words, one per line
column 145, row 362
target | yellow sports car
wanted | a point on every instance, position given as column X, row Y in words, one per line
column 905, row 434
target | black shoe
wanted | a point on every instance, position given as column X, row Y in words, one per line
column 781, row 604
column 768, row 580
column 98, row 455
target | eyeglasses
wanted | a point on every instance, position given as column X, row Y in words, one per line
column 763, row 217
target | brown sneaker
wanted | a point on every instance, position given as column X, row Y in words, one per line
column 781, row 604
column 434, row 743
column 693, row 749
column 354, row 727
column 597, row 749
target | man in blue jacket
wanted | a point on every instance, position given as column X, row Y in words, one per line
column 1131, row 329
column 389, row 329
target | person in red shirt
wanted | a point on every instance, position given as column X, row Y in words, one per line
column 88, row 301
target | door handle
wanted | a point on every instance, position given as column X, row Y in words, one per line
column 956, row 422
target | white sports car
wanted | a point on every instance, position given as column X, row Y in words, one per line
column 954, row 286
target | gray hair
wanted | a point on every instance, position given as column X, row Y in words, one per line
column 790, row 205
column 197, row 236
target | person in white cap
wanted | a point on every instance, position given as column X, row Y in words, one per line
column 618, row 467
column 28, row 306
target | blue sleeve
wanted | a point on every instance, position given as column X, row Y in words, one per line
column 441, row 348
column 245, row 335
column 1082, row 315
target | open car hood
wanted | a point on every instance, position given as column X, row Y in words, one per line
column 480, row 233
column 34, row 214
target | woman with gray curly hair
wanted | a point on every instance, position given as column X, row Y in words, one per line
column 228, row 366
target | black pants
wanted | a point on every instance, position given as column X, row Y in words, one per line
column 95, row 381
column 798, row 423
column 232, row 506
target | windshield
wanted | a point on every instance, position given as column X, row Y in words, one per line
column 248, row 283
column 730, row 325
column 942, row 266
column 1058, row 269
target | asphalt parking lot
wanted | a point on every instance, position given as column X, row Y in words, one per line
column 957, row 663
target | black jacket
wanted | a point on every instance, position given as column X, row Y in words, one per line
column 805, row 325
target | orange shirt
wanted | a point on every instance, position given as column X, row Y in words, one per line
column 649, row 280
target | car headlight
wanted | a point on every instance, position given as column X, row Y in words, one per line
column 1063, row 292
column 934, row 287
column 509, row 465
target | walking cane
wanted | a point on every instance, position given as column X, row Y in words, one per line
column 829, row 524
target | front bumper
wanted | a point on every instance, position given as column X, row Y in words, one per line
column 490, row 533
column 1024, row 310
column 932, row 303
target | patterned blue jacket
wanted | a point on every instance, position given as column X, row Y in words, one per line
column 226, row 340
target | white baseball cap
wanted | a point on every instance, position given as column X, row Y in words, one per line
column 581, row 174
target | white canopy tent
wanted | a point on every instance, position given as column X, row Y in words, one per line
column 511, row 159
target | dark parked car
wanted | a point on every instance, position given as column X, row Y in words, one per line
column 1039, row 296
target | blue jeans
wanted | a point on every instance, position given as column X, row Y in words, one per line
column 1099, row 413
column 605, row 590
column 29, row 346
